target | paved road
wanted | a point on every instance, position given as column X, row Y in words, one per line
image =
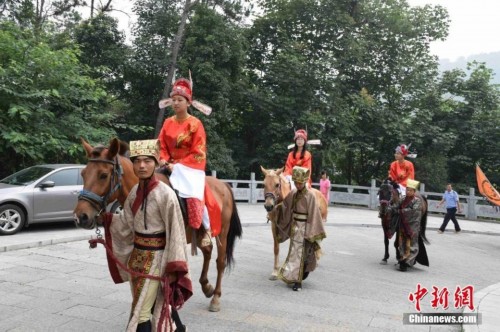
column 54, row 285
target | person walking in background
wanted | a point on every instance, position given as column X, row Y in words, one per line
column 324, row 186
column 450, row 196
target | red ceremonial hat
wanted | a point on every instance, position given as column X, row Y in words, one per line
column 300, row 133
column 403, row 149
column 182, row 87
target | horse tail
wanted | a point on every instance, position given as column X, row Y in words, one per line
column 423, row 220
column 235, row 231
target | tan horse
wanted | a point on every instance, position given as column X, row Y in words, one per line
column 276, row 188
column 109, row 176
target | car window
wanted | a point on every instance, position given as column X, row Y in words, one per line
column 27, row 176
column 65, row 177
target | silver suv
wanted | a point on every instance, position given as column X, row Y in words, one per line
column 43, row 193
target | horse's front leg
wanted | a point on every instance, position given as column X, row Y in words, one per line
column 274, row 275
column 221, row 266
column 386, row 254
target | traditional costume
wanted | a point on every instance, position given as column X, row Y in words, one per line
column 148, row 236
column 295, row 158
column 301, row 223
column 184, row 144
column 401, row 171
column 411, row 246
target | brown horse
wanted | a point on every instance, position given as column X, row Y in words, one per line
column 109, row 176
column 276, row 188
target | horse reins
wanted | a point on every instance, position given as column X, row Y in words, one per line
column 99, row 202
column 274, row 195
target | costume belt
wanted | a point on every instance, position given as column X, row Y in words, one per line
column 156, row 241
column 300, row 217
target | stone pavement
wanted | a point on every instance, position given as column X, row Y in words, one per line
column 49, row 281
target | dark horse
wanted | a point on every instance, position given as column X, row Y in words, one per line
column 388, row 194
column 109, row 176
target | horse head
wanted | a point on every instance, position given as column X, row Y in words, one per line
column 385, row 191
column 276, row 187
column 107, row 177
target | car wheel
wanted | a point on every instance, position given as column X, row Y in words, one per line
column 12, row 219
column 115, row 208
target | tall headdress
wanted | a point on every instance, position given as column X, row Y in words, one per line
column 301, row 133
column 405, row 151
column 184, row 87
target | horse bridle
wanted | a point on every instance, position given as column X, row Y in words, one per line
column 276, row 194
column 99, row 202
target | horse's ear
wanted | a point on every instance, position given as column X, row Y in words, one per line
column 124, row 148
column 86, row 146
column 279, row 170
column 114, row 148
column 264, row 171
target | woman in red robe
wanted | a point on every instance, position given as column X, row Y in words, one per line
column 184, row 153
column 299, row 156
column 401, row 169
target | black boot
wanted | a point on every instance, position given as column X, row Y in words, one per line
column 297, row 286
column 144, row 327
column 403, row 267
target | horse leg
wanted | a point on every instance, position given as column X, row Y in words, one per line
column 386, row 254
column 206, row 287
column 274, row 275
column 396, row 246
column 221, row 266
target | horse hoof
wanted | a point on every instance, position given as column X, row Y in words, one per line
column 214, row 307
column 383, row 262
column 273, row 277
column 209, row 292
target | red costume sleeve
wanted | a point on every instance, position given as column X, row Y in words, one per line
column 290, row 162
column 393, row 172
column 411, row 170
column 164, row 154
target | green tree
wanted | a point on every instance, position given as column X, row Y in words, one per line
column 47, row 102
column 354, row 72
column 470, row 116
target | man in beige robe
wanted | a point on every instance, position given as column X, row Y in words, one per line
column 301, row 223
column 148, row 237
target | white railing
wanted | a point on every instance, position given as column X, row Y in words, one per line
column 473, row 207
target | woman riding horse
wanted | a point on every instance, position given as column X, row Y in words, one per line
column 184, row 153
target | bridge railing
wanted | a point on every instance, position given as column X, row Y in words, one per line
column 472, row 207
